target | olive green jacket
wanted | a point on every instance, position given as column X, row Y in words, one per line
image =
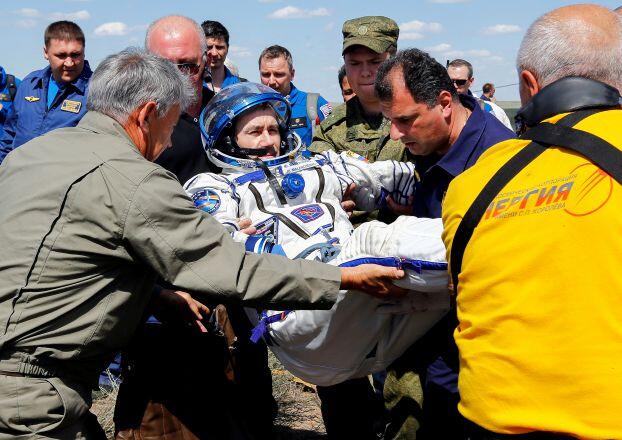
column 347, row 128
column 87, row 225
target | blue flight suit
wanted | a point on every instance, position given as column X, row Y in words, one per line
column 299, row 121
column 5, row 98
column 32, row 118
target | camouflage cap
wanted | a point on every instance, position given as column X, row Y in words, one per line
column 376, row 33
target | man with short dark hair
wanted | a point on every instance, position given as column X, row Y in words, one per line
column 276, row 70
column 488, row 92
column 217, row 49
column 446, row 132
column 461, row 74
column 344, row 85
column 52, row 97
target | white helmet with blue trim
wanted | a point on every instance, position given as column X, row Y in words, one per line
column 218, row 118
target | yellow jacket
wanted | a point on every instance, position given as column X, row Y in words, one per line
column 540, row 297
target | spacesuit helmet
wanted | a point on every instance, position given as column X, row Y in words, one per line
column 217, row 124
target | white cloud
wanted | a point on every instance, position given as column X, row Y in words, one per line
column 28, row 12
column 239, row 51
column 479, row 52
column 420, row 26
column 410, row 36
column 26, row 23
column 443, row 47
column 289, row 12
column 78, row 15
column 114, row 28
column 502, row 29
column 329, row 26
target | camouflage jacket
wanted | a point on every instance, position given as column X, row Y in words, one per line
column 347, row 128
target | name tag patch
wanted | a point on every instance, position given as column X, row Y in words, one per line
column 298, row 122
column 71, row 106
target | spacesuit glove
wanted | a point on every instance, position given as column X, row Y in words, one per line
column 415, row 302
column 373, row 279
column 397, row 178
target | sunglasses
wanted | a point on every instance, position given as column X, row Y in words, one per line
column 459, row 82
column 188, row 68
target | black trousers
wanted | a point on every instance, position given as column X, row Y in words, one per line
column 352, row 410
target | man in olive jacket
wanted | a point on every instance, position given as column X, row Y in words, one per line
column 88, row 225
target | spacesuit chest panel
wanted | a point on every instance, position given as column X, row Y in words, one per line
column 307, row 214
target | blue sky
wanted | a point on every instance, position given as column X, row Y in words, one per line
column 485, row 32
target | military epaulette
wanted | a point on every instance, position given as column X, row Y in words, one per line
column 337, row 116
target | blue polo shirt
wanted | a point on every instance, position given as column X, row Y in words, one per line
column 481, row 131
column 31, row 116
column 299, row 121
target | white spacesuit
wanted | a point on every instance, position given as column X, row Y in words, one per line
column 295, row 204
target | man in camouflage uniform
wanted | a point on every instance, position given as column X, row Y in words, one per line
column 359, row 126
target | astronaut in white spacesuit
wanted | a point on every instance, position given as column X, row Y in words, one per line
column 294, row 202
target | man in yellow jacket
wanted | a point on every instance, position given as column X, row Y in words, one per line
column 533, row 237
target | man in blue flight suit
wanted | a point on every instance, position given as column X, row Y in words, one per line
column 276, row 70
column 8, row 90
column 52, row 97
column 217, row 37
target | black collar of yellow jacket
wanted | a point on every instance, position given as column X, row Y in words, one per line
column 566, row 95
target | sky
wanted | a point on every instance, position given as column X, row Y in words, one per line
column 485, row 32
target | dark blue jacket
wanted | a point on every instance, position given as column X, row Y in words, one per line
column 482, row 131
column 5, row 98
column 32, row 118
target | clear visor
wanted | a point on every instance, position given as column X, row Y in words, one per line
column 236, row 99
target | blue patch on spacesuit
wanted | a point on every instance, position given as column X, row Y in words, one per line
column 206, row 200
column 308, row 213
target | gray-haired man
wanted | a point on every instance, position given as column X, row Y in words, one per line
column 90, row 223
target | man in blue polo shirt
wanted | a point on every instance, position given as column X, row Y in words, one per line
column 8, row 90
column 52, row 97
column 217, row 37
column 276, row 70
column 447, row 132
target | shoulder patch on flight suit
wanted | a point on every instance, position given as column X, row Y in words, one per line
column 31, row 98
column 71, row 106
column 326, row 109
column 206, row 200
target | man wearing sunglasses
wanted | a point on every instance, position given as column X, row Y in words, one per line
column 181, row 41
column 461, row 74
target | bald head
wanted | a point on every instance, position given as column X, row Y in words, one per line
column 579, row 40
column 174, row 30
